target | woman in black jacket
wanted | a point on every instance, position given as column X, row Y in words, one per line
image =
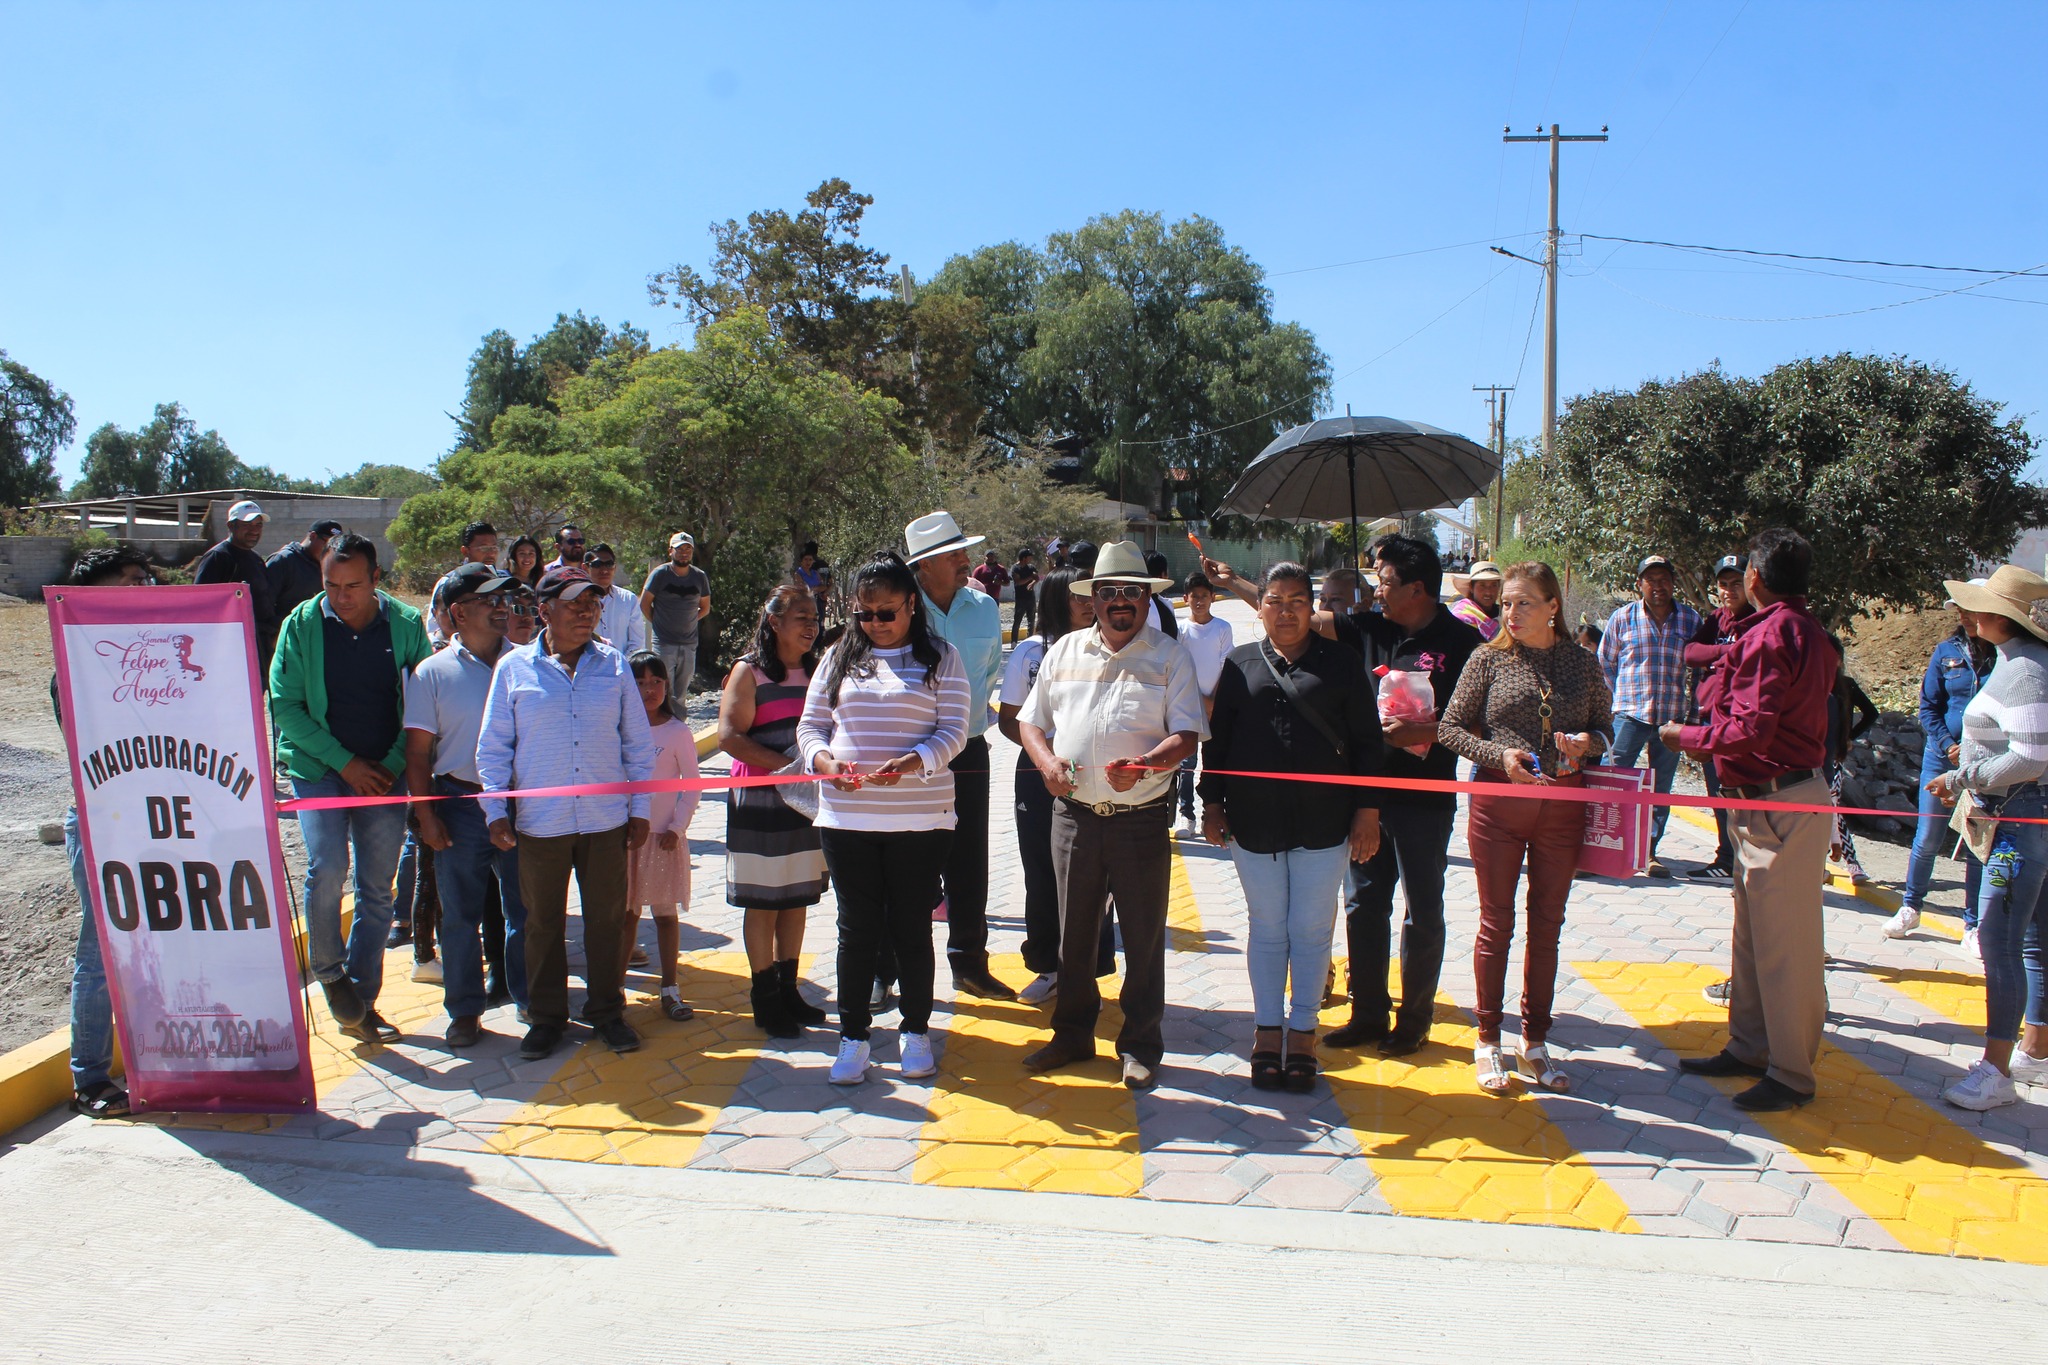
column 1291, row 703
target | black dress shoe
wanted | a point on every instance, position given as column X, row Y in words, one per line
column 401, row 934
column 496, row 992
column 618, row 1035
column 343, row 1002
column 1056, row 1054
column 1769, row 1097
column 464, row 1031
column 1404, row 1042
column 373, row 1028
column 539, row 1041
column 1358, row 1032
column 1722, row 1063
column 977, row 981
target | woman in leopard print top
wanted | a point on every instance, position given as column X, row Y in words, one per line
column 1530, row 707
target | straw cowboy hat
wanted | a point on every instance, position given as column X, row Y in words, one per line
column 1485, row 571
column 935, row 535
column 2008, row 593
column 1120, row 561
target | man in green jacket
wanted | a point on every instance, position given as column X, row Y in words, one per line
column 337, row 695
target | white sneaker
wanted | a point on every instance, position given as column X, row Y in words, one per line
column 850, row 1067
column 1903, row 923
column 2029, row 1070
column 430, row 970
column 1983, row 1087
column 1190, row 827
column 918, row 1061
column 1969, row 947
column 1042, row 988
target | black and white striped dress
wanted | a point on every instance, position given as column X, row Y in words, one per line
column 773, row 860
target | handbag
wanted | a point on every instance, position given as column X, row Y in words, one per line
column 801, row 797
column 1300, row 704
column 1978, row 827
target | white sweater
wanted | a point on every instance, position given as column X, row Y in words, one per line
column 882, row 717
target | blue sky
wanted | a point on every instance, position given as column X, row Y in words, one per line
column 298, row 221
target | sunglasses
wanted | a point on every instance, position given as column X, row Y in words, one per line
column 577, row 540
column 523, row 609
column 1129, row 592
column 599, row 563
column 885, row 616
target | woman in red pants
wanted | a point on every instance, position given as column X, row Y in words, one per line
column 1529, row 709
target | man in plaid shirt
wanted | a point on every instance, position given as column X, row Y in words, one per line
column 1643, row 656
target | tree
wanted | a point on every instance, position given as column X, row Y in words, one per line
column 35, row 419
column 503, row 374
column 1010, row 497
column 1897, row 472
column 382, row 481
column 168, row 455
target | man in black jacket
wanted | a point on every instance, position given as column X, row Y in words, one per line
column 235, row 560
column 295, row 570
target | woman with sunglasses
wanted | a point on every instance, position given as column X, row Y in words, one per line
column 1530, row 708
column 885, row 712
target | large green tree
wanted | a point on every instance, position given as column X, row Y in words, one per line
column 504, row 374
column 383, row 481
column 1897, row 472
column 168, row 454
column 35, row 419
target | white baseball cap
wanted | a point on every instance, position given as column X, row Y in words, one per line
column 246, row 510
column 681, row 538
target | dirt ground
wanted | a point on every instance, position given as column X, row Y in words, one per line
column 1889, row 656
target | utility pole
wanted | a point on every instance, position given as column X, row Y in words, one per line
column 1549, row 263
column 1497, row 438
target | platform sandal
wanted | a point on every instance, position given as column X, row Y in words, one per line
column 1539, row 1069
column 1492, row 1072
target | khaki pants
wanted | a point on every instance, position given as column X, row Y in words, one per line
column 1778, row 999
column 599, row 862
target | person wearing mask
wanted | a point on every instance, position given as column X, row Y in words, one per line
column 1531, row 709
column 1291, row 703
column 1413, row 631
column 337, row 697
column 1024, row 580
column 1643, row 656
column 565, row 711
column 1113, row 713
column 295, row 570
column 234, row 560
column 94, row 1092
column 1064, row 612
column 1767, row 736
column 2003, row 759
column 620, row 623
column 568, row 548
column 676, row 599
column 523, row 560
column 1478, row 604
column 1209, row 641
column 969, row 620
column 1709, row 645
column 1954, row 676
column 884, row 717
column 774, row 862
column 444, row 714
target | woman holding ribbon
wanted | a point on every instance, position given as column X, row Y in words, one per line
column 1531, row 707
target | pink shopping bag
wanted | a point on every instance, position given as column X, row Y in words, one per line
column 1617, row 842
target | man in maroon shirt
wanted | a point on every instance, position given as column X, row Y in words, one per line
column 1767, row 735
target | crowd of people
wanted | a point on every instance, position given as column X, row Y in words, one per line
column 523, row 674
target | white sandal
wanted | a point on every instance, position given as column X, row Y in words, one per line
column 1538, row 1069
column 1492, row 1072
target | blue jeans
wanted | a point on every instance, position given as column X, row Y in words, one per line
column 465, row 869
column 1933, row 837
column 375, row 834
column 92, row 1009
column 2009, row 920
column 1292, row 899
column 1630, row 737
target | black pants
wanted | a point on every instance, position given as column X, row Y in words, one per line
column 1127, row 855
column 1415, row 848
column 1724, row 847
column 887, row 884
column 1024, row 620
column 1042, row 883
column 966, row 870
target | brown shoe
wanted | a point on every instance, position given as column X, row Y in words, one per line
column 1059, row 1053
column 464, row 1031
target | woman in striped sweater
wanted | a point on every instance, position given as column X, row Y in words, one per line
column 885, row 713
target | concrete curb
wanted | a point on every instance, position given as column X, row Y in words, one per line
column 1876, row 893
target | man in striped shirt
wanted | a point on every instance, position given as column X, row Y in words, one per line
column 1643, row 656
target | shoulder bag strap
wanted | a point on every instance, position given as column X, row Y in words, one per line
column 1302, row 708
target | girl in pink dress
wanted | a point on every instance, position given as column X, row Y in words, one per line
column 658, row 873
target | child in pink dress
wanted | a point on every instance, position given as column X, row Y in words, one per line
column 658, row 873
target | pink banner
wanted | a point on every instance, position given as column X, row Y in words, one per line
column 171, row 766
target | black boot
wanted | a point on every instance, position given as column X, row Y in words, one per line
column 798, row 1010
column 769, row 1015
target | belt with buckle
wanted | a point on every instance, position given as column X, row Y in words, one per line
column 463, row 783
column 1108, row 808
column 1757, row 790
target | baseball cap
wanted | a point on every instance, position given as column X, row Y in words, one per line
column 569, row 581
column 681, row 538
column 246, row 510
column 1654, row 562
column 473, row 580
column 1727, row 563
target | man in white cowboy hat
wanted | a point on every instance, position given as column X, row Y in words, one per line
column 968, row 619
column 1123, row 704
column 1478, row 604
column 1767, row 736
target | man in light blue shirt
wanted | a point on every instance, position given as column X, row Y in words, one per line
column 565, row 711
column 969, row 620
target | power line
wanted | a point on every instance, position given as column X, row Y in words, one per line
column 1820, row 317
column 1797, row 256
column 1399, row 255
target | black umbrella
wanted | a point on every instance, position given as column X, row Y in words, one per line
column 1370, row 466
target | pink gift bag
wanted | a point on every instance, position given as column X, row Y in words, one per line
column 1617, row 842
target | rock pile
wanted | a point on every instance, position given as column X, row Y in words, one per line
column 1883, row 773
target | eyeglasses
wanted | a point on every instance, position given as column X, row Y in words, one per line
column 599, row 563
column 885, row 616
column 523, row 609
column 1129, row 592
